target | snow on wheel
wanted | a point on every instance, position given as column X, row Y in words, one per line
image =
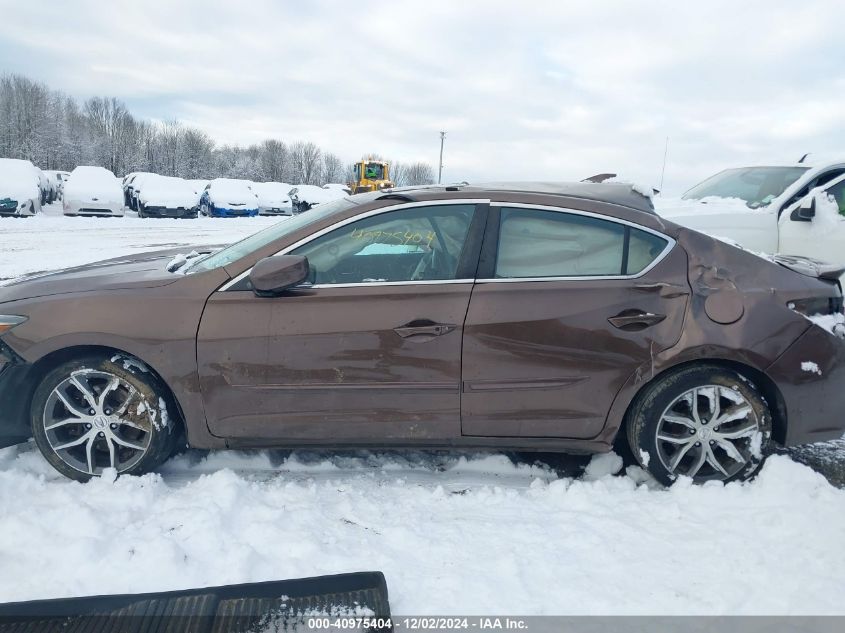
column 96, row 413
column 706, row 423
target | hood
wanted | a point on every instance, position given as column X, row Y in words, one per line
column 674, row 208
column 266, row 201
column 18, row 191
column 142, row 270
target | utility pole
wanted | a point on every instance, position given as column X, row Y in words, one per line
column 663, row 171
column 440, row 171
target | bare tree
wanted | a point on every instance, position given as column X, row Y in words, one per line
column 55, row 131
column 197, row 154
column 419, row 174
column 113, row 128
column 305, row 163
column 332, row 169
column 273, row 158
column 398, row 174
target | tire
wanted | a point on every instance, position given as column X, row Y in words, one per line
column 670, row 437
column 141, row 425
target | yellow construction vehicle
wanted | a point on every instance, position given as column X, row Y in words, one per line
column 371, row 175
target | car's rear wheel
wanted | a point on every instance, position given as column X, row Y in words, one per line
column 97, row 412
column 704, row 422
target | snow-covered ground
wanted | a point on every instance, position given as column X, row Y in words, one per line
column 50, row 240
column 473, row 533
column 453, row 535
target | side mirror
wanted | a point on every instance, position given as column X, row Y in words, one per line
column 273, row 275
column 807, row 209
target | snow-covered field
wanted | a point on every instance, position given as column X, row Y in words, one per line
column 50, row 240
column 454, row 534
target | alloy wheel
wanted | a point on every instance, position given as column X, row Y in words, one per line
column 95, row 420
column 708, row 432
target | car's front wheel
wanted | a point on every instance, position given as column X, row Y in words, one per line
column 97, row 412
column 704, row 422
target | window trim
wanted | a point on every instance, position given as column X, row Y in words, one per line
column 479, row 204
column 492, row 246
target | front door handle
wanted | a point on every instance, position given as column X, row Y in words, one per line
column 423, row 330
column 635, row 320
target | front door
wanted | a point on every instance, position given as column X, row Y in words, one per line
column 821, row 237
column 572, row 306
column 370, row 351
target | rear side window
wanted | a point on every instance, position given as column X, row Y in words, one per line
column 540, row 243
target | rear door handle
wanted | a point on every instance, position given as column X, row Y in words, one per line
column 635, row 320
column 423, row 329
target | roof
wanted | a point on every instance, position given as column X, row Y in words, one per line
column 623, row 194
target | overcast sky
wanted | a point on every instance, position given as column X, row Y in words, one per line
column 525, row 90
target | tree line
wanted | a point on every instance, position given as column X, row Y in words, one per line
column 55, row 131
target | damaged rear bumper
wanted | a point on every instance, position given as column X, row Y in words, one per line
column 811, row 377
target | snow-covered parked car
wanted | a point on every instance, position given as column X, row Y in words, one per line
column 57, row 180
column 134, row 188
column 228, row 197
column 337, row 186
column 20, row 191
column 92, row 191
column 747, row 205
column 167, row 197
column 303, row 197
column 273, row 198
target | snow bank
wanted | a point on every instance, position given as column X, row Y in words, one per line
column 454, row 535
column 49, row 241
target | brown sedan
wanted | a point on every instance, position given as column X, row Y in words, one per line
column 532, row 317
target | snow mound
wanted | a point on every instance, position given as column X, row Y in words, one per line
column 435, row 528
column 602, row 465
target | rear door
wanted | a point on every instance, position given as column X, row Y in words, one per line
column 370, row 352
column 568, row 305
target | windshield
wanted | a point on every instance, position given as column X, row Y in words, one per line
column 263, row 238
column 374, row 171
column 757, row 186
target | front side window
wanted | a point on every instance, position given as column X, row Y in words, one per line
column 416, row 244
column 272, row 233
column 837, row 192
column 536, row 243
